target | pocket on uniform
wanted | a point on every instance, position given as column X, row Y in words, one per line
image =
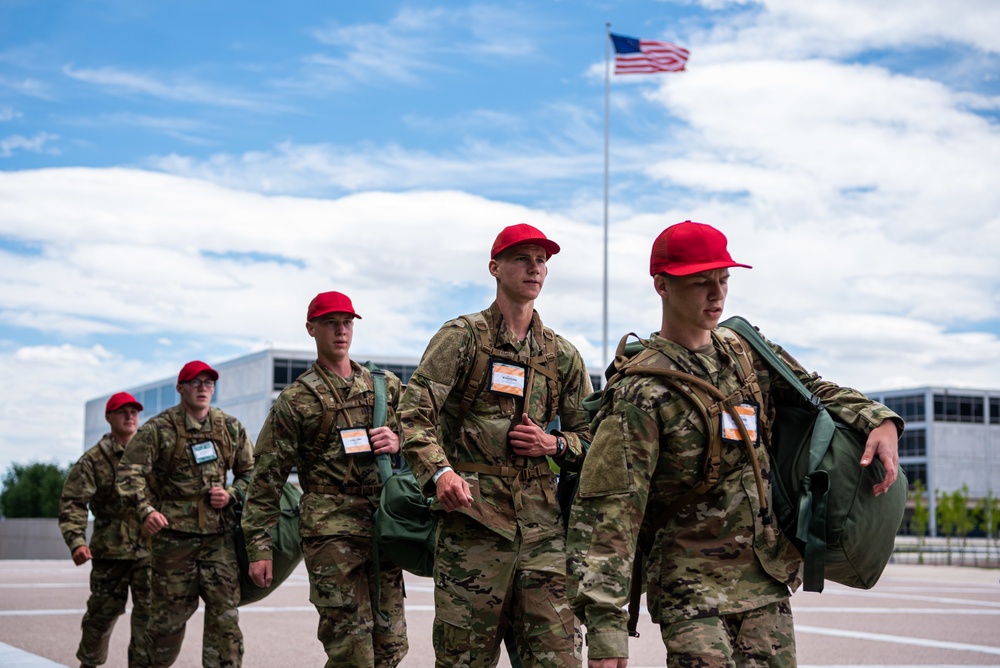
column 455, row 617
column 605, row 469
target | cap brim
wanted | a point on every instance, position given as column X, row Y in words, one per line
column 689, row 269
column 320, row 315
column 549, row 246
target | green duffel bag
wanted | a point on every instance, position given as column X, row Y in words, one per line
column 404, row 526
column 286, row 551
column 822, row 497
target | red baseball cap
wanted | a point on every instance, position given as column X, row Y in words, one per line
column 516, row 235
column 191, row 370
column 119, row 400
column 330, row 302
column 687, row 248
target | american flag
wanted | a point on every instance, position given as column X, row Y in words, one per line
column 645, row 56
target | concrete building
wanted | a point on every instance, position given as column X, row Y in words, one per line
column 952, row 438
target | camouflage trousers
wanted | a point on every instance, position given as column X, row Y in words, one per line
column 110, row 582
column 187, row 566
column 483, row 583
column 758, row 638
column 343, row 587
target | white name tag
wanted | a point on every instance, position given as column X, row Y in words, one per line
column 204, row 452
column 507, row 379
column 748, row 416
column 355, row 441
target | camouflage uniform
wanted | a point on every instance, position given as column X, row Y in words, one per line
column 710, row 574
column 341, row 493
column 194, row 554
column 119, row 551
column 503, row 559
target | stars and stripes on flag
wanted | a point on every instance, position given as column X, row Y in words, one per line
column 645, row 56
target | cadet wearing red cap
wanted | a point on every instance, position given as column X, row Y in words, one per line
column 185, row 455
column 717, row 581
column 474, row 415
column 118, row 549
column 322, row 424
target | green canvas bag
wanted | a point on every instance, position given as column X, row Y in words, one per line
column 404, row 527
column 286, row 551
column 822, row 496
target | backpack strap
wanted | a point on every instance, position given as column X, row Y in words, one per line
column 379, row 415
column 476, row 377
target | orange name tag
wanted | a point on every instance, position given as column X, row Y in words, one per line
column 748, row 416
column 507, row 379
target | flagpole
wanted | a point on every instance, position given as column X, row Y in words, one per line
column 607, row 94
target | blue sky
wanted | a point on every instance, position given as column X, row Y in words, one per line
column 178, row 179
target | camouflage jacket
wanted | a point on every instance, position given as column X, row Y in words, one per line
column 91, row 481
column 341, row 491
column 431, row 439
column 158, row 470
column 648, row 449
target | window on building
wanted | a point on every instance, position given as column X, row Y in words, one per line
column 958, row 408
column 402, row 371
column 994, row 410
column 286, row 371
column 910, row 407
column 168, row 396
column 150, row 401
column 915, row 472
column 913, row 443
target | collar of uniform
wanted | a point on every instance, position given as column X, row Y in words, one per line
column 507, row 337
column 193, row 425
column 688, row 360
column 114, row 447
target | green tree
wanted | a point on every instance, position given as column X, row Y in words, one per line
column 988, row 512
column 921, row 518
column 32, row 490
column 947, row 522
column 963, row 519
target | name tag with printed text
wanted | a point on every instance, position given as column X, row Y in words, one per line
column 355, row 440
column 507, row 378
column 748, row 416
column 204, row 452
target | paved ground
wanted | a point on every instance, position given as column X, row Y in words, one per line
column 937, row 616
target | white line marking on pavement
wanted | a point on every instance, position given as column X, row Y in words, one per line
column 201, row 609
column 900, row 640
column 14, row 657
column 910, row 597
column 898, row 611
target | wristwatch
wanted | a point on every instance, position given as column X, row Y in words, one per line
column 561, row 446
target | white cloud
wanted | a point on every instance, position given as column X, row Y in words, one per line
column 179, row 90
column 37, row 144
column 836, row 28
column 322, row 168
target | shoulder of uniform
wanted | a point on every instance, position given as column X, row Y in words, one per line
column 161, row 419
column 463, row 321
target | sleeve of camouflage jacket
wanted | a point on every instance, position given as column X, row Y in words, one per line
column 847, row 404
column 440, row 368
column 135, row 465
column 575, row 387
column 605, row 522
column 274, row 456
column 242, row 460
column 78, row 490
